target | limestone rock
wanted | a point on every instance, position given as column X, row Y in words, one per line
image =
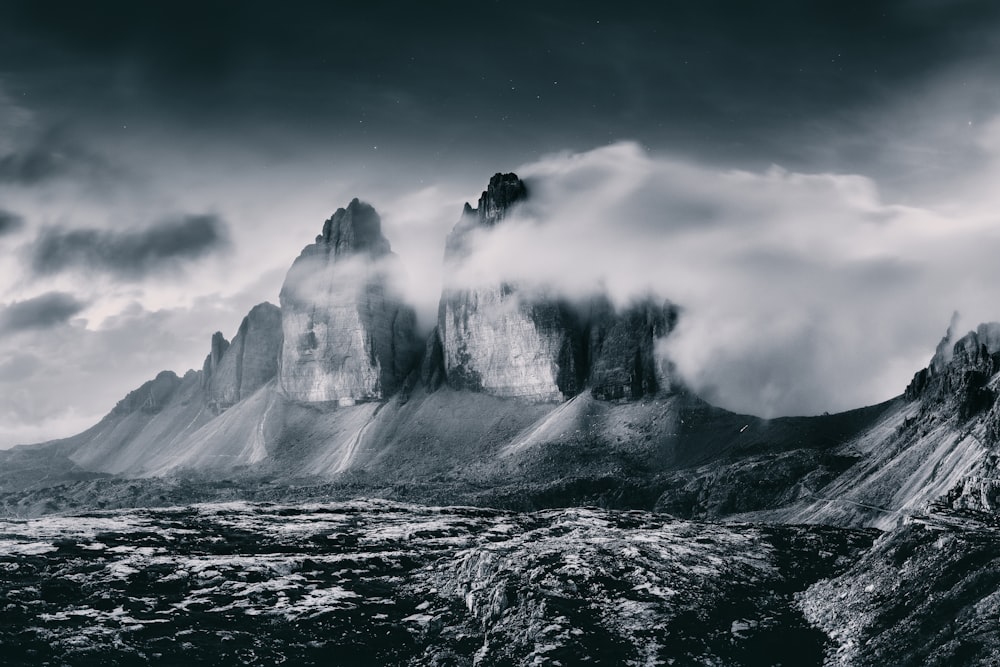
column 495, row 343
column 348, row 336
column 497, row 340
column 150, row 397
column 623, row 361
column 432, row 363
column 249, row 361
column 960, row 373
column 218, row 349
column 502, row 192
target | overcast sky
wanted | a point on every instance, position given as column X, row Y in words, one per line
column 812, row 181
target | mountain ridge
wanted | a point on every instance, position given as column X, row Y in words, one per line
column 525, row 403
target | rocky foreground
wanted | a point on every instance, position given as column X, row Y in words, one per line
column 926, row 594
column 374, row 582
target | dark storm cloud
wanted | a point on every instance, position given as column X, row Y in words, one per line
column 10, row 222
column 723, row 77
column 52, row 155
column 41, row 312
column 131, row 254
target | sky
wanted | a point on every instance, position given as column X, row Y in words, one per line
column 812, row 183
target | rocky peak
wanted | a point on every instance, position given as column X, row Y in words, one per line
column 494, row 339
column 249, row 361
column 502, row 192
column 503, row 342
column 219, row 346
column 347, row 335
column 500, row 195
column 622, row 349
column 354, row 230
column 961, row 371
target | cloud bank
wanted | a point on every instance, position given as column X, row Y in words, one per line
column 41, row 312
column 51, row 155
column 128, row 254
column 801, row 293
column 10, row 223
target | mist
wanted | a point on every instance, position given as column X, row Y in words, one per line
column 801, row 293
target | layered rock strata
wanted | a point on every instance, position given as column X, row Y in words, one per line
column 348, row 336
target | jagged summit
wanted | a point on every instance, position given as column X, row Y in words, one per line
column 493, row 338
column 974, row 351
column 347, row 335
column 499, row 340
column 246, row 363
column 354, row 230
column 960, row 372
column 495, row 202
column 987, row 333
column 502, row 192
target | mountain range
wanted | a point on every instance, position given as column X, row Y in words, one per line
column 522, row 400
column 517, row 397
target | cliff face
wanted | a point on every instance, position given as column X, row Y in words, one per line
column 495, row 339
column 622, row 349
column 499, row 340
column 492, row 342
column 248, row 362
column 347, row 336
column 217, row 351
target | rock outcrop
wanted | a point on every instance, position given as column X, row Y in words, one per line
column 432, row 362
column 218, row 349
column 622, row 349
column 151, row 396
column 246, row 363
column 960, row 372
column 502, row 341
column 348, row 336
column 496, row 339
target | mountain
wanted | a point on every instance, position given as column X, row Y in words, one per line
column 522, row 400
column 497, row 339
column 233, row 372
column 934, row 444
column 348, row 336
column 867, row 537
column 514, row 399
column 503, row 341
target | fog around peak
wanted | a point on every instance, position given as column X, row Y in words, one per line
column 801, row 293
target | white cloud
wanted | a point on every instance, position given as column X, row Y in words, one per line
column 416, row 225
column 802, row 293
